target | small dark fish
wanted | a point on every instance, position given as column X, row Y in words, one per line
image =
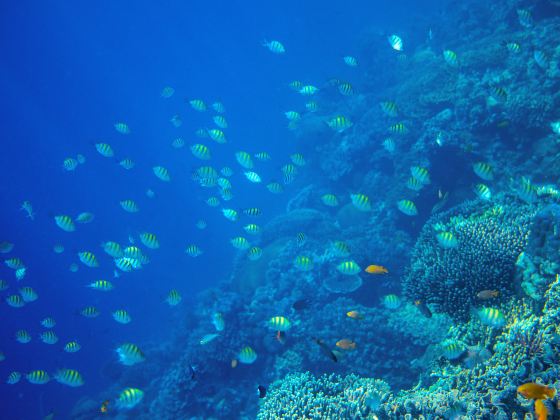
column 443, row 197
column 262, row 391
column 487, row 294
column 326, row 349
column 423, row 308
column 104, row 407
column 301, row 304
column 281, row 337
column 193, row 372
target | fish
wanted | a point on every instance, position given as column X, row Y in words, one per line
column 173, row 298
column 121, row 316
column 391, row 301
column 292, row 115
column 361, row 202
column 298, row 159
column 129, row 206
column 487, row 294
column 325, row 349
column 450, row 58
column 407, row 207
column 279, row 323
column 452, row 349
column 534, row 391
column 48, row 337
column 22, row 336
column 295, row 85
column 58, row 249
column 541, row 59
column 389, row 108
column 423, row 308
column 527, row 191
column 220, row 121
column 167, row 92
column 129, row 398
column 348, row 268
column 219, row 107
column 525, row 18
column 244, row 159
column 355, row 315
column 69, row 377
column 304, row 263
column 84, row 217
column 330, row 200
column 149, row 240
column 389, row 145
column 88, row 259
column 254, row 253
column 483, row 170
column 555, row 126
column 38, row 377
column 176, row 121
column 15, row 301
column 253, row 177
column 247, row 355
column 28, row 208
column 90, row 312
column 72, row 347
column 499, row 94
column 218, row 321
column 130, row 354
column 6, row 247
column 65, row 223
column 101, row 285
column 491, row 317
column 376, row 269
column 200, row 151
column 198, row 105
column 48, row 322
column 541, row 411
column 312, row 106
column 13, row 378
column 113, row 249
column 230, row 214
column 178, row 143
column 104, row 150
column 20, row 273
column 150, row 193
column 280, row 337
column 413, row 184
column 447, row 240
column 420, row 174
column 81, row 159
column 275, row 188
column 274, row 46
column 162, row 173
column 345, row 88
column 350, row 61
column 395, row 42
column 308, row 90
column 240, row 242
column 346, row 344
column 69, row 164
column 28, row 294
column 14, row 263
column 213, row 201
column 208, row 338
column 3, row 285
column 261, row 391
column 262, row 156
column 122, row 128
column 104, row 407
column 483, row 192
column 252, row 211
column 252, row 229
column 398, row 128
column 217, row 135
column 513, row 47
column 339, row 123
column 300, row 239
column 289, row 171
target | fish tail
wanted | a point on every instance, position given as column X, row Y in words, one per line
column 550, row 392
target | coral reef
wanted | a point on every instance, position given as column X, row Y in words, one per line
column 490, row 238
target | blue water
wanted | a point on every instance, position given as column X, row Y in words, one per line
column 69, row 72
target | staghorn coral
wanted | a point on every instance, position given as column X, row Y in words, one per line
column 302, row 396
column 490, row 236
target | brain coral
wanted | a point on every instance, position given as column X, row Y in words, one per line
column 490, row 238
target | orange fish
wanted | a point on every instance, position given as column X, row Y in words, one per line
column 541, row 412
column 535, row 391
column 355, row 315
column 376, row 269
column 104, row 407
column 487, row 294
column 346, row 344
column 233, row 363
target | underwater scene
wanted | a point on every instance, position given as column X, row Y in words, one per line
column 280, row 210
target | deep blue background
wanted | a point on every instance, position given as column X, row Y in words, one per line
column 68, row 72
